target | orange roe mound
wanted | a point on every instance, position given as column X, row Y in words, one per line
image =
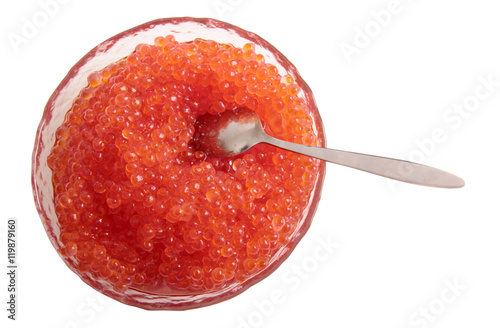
column 138, row 208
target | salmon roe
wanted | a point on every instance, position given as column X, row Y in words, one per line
column 140, row 209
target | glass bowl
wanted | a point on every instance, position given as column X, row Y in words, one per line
column 184, row 29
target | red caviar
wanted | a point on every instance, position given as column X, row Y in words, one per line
column 139, row 210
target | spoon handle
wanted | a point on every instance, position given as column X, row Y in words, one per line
column 396, row 169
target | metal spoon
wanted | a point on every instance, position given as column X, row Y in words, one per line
column 234, row 132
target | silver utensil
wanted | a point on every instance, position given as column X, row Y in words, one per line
column 234, row 132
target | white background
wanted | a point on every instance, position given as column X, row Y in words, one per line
column 401, row 250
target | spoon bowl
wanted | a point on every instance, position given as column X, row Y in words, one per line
column 229, row 134
column 234, row 132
